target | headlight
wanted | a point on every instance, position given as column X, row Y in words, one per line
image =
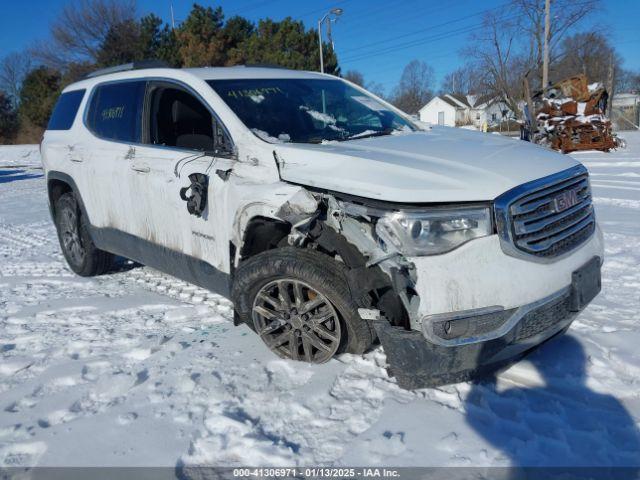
column 435, row 231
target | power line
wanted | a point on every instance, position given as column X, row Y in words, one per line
column 398, row 18
column 413, row 43
column 440, row 36
column 431, row 27
column 354, row 22
column 249, row 7
column 320, row 10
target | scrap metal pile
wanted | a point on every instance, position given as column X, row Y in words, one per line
column 571, row 116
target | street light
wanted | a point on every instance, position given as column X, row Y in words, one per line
column 336, row 12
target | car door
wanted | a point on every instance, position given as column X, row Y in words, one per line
column 181, row 137
column 114, row 122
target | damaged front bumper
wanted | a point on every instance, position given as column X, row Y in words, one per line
column 428, row 358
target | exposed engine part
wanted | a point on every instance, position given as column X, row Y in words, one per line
column 349, row 230
column 197, row 197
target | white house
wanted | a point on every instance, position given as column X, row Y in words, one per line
column 458, row 110
column 440, row 111
column 625, row 110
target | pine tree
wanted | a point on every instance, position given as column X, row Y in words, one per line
column 200, row 38
column 287, row 44
column 38, row 95
column 8, row 119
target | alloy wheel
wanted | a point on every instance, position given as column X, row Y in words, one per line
column 296, row 321
column 70, row 234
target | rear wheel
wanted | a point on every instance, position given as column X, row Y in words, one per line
column 77, row 247
column 300, row 304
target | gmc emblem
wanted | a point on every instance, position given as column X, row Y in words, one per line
column 566, row 199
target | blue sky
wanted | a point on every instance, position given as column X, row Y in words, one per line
column 376, row 37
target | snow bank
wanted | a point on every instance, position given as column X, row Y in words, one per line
column 20, row 156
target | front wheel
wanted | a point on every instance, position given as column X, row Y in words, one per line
column 299, row 302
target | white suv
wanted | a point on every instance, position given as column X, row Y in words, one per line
column 328, row 216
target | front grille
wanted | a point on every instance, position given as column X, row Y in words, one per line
column 543, row 318
column 548, row 217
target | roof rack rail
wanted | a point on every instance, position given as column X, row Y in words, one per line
column 263, row 65
column 129, row 66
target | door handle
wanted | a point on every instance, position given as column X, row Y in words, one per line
column 76, row 160
column 141, row 168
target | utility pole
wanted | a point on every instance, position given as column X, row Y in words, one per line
column 173, row 20
column 335, row 13
column 610, row 83
column 320, row 45
column 547, row 29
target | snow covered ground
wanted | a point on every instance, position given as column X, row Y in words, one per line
column 137, row 369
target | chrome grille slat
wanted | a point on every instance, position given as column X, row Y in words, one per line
column 547, row 198
column 553, row 187
column 540, row 220
column 542, row 244
column 526, row 227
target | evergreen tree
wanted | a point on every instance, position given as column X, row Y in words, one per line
column 38, row 95
column 8, row 118
column 236, row 31
column 158, row 41
column 200, row 38
column 122, row 44
column 288, row 44
column 131, row 41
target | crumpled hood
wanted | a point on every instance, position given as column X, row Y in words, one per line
column 441, row 165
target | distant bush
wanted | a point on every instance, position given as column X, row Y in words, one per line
column 8, row 119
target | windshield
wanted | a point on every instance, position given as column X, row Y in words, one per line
column 307, row 111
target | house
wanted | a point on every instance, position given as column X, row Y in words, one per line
column 457, row 110
column 625, row 111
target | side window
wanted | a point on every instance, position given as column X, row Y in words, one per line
column 178, row 119
column 64, row 113
column 115, row 112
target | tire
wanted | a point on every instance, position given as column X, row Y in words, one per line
column 319, row 280
column 78, row 249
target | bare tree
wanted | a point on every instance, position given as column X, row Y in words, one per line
column 628, row 81
column 564, row 16
column 498, row 65
column 509, row 46
column 464, row 80
column 376, row 88
column 13, row 68
column 355, row 76
column 589, row 53
column 80, row 30
column 415, row 88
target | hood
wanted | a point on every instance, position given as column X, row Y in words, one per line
column 440, row 165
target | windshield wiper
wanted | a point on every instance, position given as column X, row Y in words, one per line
column 380, row 133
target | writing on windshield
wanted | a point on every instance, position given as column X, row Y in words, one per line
column 307, row 110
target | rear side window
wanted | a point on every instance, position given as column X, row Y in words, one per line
column 115, row 112
column 64, row 113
